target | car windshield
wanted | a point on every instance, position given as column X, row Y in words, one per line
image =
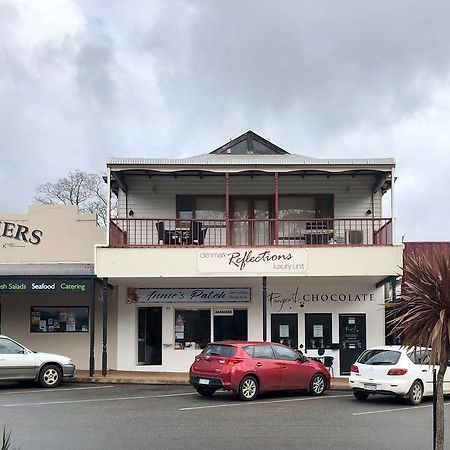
column 379, row 357
column 219, row 350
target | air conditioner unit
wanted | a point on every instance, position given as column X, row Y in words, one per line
column 355, row 237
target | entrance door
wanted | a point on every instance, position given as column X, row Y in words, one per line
column 352, row 339
column 250, row 221
column 150, row 336
column 284, row 329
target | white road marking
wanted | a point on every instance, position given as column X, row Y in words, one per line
column 226, row 405
column 394, row 409
column 55, row 390
column 93, row 400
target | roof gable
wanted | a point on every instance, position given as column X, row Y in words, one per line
column 249, row 143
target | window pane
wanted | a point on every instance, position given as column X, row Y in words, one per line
column 209, row 208
column 285, row 353
column 192, row 328
column 185, row 208
column 379, row 357
column 231, row 327
column 59, row 320
column 317, row 331
column 296, row 207
column 263, row 351
column 227, row 351
column 8, row 347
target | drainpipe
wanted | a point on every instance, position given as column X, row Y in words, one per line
column 105, row 327
column 108, row 206
column 92, row 330
column 227, row 209
column 392, row 206
column 276, row 207
column 264, row 299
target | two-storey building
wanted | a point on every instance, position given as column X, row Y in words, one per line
column 248, row 242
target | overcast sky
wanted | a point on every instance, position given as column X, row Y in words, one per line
column 84, row 80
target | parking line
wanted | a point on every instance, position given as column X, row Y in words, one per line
column 54, row 390
column 394, row 409
column 95, row 400
column 226, row 405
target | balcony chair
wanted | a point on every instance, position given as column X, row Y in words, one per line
column 164, row 235
column 197, row 232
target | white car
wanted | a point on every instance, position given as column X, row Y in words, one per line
column 18, row 363
column 395, row 370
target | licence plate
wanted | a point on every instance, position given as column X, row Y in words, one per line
column 203, row 381
column 370, row 387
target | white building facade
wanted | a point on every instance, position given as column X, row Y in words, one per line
column 247, row 242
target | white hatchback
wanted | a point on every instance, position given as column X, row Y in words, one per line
column 395, row 370
column 19, row 363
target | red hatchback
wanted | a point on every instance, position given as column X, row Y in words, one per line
column 251, row 367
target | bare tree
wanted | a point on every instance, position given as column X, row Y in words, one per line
column 87, row 190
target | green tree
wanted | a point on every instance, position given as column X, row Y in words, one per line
column 87, row 190
column 422, row 318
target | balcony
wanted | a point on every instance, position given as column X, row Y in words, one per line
column 178, row 233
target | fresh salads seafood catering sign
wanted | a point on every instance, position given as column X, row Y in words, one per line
column 252, row 261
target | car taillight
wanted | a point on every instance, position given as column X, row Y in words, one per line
column 233, row 361
column 354, row 369
column 397, row 371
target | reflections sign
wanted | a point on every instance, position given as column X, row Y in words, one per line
column 258, row 260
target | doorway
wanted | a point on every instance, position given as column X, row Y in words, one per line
column 150, row 336
column 250, row 224
column 284, row 329
column 352, row 339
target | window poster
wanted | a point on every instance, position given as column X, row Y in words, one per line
column 284, row 331
column 318, row 331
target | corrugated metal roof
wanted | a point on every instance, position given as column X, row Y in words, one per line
column 63, row 269
column 236, row 160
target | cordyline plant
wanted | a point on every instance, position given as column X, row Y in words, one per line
column 421, row 317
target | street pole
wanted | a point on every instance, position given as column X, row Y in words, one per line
column 434, row 408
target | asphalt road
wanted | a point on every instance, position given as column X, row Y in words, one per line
column 80, row 416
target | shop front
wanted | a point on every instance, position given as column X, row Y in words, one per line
column 162, row 325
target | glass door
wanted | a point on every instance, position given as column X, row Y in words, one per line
column 352, row 339
column 150, row 336
column 250, row 223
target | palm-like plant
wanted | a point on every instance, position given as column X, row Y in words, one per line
column 421, row 317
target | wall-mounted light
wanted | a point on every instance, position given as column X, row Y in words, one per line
column 368, row 212
column 131, row 213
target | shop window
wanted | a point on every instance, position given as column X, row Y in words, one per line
column 59, row 320
column 192, row 328
column 317, row 331
column 232, row 327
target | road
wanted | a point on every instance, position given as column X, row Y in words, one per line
column 81, row 416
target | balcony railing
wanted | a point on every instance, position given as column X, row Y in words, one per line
column 133, row 232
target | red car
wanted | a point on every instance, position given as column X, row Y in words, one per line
column 252, row 367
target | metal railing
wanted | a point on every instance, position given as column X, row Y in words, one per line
column 132, row 232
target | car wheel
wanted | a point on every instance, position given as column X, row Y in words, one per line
column 317, row 385
column 248, row 388
column 415, row 394
column 205, row 392
column 360, row 395
column 50, row 376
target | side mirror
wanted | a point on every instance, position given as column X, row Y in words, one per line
column 302, row 359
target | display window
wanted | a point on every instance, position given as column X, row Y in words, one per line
column 192, row 328
column 318, row 331
column 232, row 326
column 50, row 319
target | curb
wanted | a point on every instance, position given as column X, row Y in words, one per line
column 162, row 381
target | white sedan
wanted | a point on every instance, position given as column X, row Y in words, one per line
column 18, row 363
column 395, row 370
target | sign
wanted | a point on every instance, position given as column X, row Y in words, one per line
column 284, row 331
column 20, row 233
column 300, row 298
column 261, row 261
column 27, row 286
column 318, row 331
column 223, row 312
column 188, row 295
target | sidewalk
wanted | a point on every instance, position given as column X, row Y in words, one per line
column 113, row 376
